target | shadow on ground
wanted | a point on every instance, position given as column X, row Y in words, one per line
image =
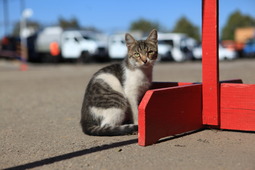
column 71, row 155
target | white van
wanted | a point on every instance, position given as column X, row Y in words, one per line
column 171, row 46
column 75, row 44
column 174, row 46
column 224, row 53
column 117, row 48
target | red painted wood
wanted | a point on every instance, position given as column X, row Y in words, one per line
column 174, row 108
column 157, row 85
column 238, row 107
column 210, row 63
column 240, row 81
column 169, row 111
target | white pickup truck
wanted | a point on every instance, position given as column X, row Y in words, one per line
column 72, row 44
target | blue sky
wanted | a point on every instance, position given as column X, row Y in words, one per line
column 115, row 15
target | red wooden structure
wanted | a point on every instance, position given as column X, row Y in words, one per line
column 172, row 108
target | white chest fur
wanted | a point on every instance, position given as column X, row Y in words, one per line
column 136, row 84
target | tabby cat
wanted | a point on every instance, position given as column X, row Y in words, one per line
column 110, row 105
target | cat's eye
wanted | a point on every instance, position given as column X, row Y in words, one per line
column 150, row 52
column 136, row 55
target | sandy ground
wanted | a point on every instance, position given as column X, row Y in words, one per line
column 39, row 125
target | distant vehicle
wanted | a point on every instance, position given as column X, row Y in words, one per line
column 249, row 48
column 174, row 46
column 171, row 46
column 224, row 53
column 197, row 52
column 83, row 44
column 165, row 50
column 117, row 47
column 43, row 41
column 72, row 44
column 10, row 47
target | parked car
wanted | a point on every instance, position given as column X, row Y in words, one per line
column 42, row 43
column 224, row 53
column 171, row 46
column 83, row 44
column 117, row 47
column 174, row 46
column 249, row 48
column 165, row 50
column 10, row 47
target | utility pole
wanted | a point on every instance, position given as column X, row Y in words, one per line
column 25, row 14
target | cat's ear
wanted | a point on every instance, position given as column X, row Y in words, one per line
column 153, row 36
column 129, row 40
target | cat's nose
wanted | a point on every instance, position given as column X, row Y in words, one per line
column 144, row 59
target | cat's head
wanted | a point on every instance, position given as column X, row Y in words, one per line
column 144, row 52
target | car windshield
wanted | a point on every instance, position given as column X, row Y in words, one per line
column 89, row 37
column 168, row 42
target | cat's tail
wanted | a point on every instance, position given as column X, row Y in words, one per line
column 127, row 129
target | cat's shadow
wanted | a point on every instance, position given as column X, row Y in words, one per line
column 70, row 155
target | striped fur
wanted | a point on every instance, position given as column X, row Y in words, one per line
column 111, row 99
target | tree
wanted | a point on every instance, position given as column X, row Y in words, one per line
column 72, row 23
column 183, row 25
column 236, row 20
column 144, row 25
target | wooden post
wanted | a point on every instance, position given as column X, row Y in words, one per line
column 210, row 72
column 172, row 108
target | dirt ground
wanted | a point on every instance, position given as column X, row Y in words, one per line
column 40, row 112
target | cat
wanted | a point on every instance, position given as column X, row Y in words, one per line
column 110, row 104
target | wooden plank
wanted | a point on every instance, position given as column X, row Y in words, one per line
column 238, row 107
column 240, row 81
column 210, row 62
column 169, row 111
column 158, row 85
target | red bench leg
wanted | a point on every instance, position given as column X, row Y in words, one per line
column 169, row 111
